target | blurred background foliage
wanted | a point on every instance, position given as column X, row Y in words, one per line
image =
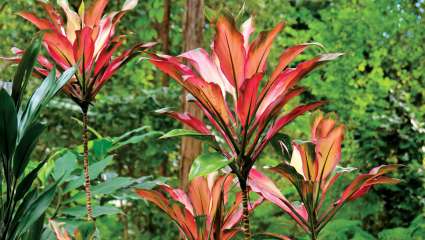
column 377, row 89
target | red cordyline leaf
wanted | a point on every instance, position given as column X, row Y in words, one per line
column 226, row 85
column 206, row 197
column 85, row 38
column 312, row 172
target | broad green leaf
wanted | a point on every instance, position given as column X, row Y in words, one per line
column 86, row 231
column 207, row 163
column 24, row 71
column 94, row 171
column 25, row 185
column 130, row 133
column 42, row 95
column 37, row 208
column 184, row 133
column 65, row 165
column 25, row 147
column 97, row 168
column 8, row 124
column 101, row 147
column 81, row 212
column 134, row 139
column 107, row 187
column 36, row 229
column 112, row 185
column 191, row 133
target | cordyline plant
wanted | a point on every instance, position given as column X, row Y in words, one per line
column 201, row 213
column 22, row 206
column 226, row 86
column 88, row 40
column 313, row 171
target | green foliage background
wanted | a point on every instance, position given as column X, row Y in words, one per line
column 377, row 89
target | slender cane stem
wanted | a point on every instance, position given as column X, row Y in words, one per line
column 86, row 166
column 245, row 216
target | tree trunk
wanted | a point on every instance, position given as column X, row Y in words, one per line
column 86, row 165
column 164, row 35
column 193, row 27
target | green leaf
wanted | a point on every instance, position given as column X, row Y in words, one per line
column 207, row 163
column 37, row 208
column 86, row 231
column 24, row 71
column 112, row 185
column 25, row 147
column 129, row 134
column 65, row 165
column 81, row 212
column 44, row 93
column 94, row 171
column 184, row 133
column 108, row 187
column 97, row 168
column 136, row 138
column 8, row 124
column 25, row 185
column 36, row 229
column 191, row 133
column 101, row 147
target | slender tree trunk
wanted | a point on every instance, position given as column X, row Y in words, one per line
column 86, row 165
column 164, row 36
column 193, row 27
column 245, row 214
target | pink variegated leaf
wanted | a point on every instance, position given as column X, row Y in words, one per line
column 73, row 22
column 328, row 151
column 42, row 24
column 247, row 29
column 55, row 17
column 94, row 13
column 83, row 48
column 209, row 71
column 228, row 45
column 259, row 50
column 60, row 49
column 362, row 183
column 188, row 120
column 288, row 56
column 200, row 195
column 248, row 98
column 179, row 196
column 265, row 187
column 289, row 117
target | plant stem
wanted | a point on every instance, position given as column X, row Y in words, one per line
column 245, row 216
column 86, row 166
